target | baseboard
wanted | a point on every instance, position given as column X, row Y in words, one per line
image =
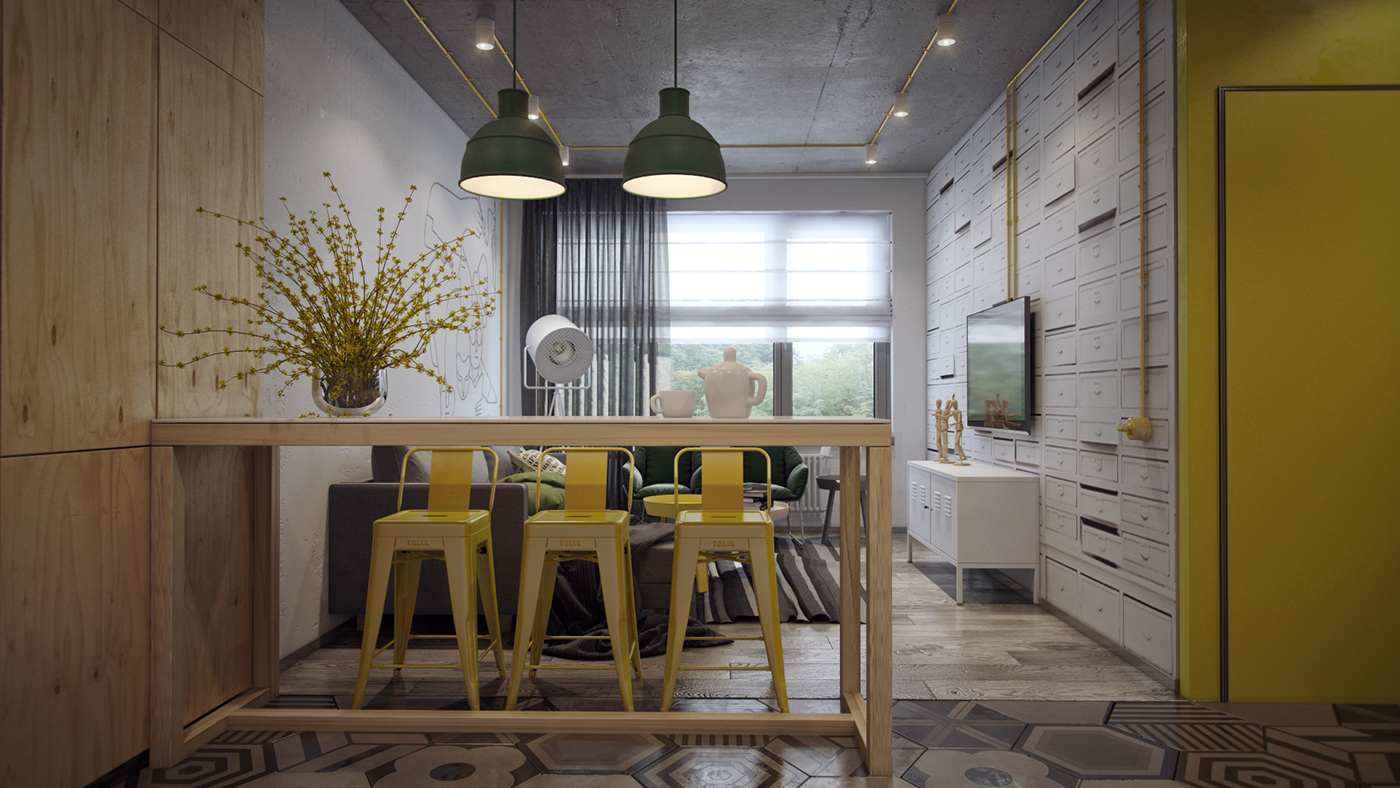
column 317, row 643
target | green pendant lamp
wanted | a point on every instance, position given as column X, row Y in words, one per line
column 511, row 158
column 673, row 157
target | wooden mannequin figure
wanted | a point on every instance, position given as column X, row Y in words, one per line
column 940, row 422
column 955, row 414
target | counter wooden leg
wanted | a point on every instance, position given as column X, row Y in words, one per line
column 167, row 576
column 848, row 527
column 264, row 508
column 879, row 640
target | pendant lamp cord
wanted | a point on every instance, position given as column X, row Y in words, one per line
column 514, row 53
column 675, row 42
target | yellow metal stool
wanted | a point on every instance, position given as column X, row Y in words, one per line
column 584, row 530
column 722, row 529
column 448, row 530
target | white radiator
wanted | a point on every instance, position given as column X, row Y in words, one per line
column 817, row 465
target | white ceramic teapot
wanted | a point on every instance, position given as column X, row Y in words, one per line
column 730, row 391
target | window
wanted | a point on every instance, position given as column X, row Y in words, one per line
column 803, row 297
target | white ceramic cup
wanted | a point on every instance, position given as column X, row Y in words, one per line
column 674, row 404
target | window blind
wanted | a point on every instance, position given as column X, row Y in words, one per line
column 780, row 276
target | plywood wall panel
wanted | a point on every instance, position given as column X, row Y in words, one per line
column 146, row 8
column 211, row 158
column 77, row 312
column 213, row 500
column 74, row 600
column 228, row 33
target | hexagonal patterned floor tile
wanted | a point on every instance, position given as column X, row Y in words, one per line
column 595, row 753
column 716, row 767
column 1252, row 770
column 1091, row 751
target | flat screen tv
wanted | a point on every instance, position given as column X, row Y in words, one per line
column 999, row 367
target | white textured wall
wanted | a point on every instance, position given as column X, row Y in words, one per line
column 336, row 101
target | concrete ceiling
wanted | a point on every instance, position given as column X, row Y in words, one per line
column 760, row 72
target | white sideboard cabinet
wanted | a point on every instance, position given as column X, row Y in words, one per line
column 976, row 517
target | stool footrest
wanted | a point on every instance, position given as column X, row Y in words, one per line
column 554, row 666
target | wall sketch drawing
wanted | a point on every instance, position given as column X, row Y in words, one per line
column 470, row 361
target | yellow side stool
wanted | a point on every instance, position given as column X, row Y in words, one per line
column 722, row 529
column 584, row 530
column 448, row 530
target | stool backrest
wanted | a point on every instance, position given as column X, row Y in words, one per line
column 723, row 487
column 587, row 487
column 450, row 477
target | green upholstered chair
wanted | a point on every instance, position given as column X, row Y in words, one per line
column 654, row 470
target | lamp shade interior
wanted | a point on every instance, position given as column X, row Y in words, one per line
column 671, row 186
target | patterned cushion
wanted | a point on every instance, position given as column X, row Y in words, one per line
column 528, row 461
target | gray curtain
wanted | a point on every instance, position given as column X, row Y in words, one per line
column 597, row 255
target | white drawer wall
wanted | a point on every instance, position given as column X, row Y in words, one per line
column 1076, row 244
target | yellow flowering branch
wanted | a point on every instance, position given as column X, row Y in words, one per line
column 343, row 314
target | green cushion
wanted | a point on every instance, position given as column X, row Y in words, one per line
column 658, row 489
column 551, row 490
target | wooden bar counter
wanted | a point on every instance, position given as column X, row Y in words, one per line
column 865, row 715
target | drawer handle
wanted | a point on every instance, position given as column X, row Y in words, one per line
column 1098, row 342
column 1100, row 608
column 1143, row 515
column 1142, row 474
column 1146, row 557
column 1147, row 636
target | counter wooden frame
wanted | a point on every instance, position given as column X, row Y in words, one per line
column 867, row 715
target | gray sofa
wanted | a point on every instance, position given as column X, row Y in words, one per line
column 353, row 508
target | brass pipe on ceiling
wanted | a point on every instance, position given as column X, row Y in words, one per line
column 909, row 79
column 448, row 55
